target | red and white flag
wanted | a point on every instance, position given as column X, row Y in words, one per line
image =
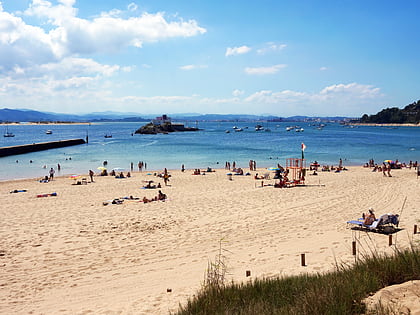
column 303, row 146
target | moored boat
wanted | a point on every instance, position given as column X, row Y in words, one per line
column 8, row 134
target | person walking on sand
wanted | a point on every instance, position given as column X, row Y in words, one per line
column 91, row 175
column 52, row 173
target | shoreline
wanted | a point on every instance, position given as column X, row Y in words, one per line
column 384, row 125
column 44, row 123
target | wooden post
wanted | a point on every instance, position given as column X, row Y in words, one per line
column 248, row 273
column 390, row 240
column 354, row 248
column 415, row 229
column 302, row 259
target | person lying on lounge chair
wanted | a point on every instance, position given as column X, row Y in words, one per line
column 369, row 218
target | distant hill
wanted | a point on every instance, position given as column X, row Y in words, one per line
column 410, row 114
column 13, row 115
column 23, row 115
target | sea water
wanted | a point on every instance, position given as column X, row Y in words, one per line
column 212, row 146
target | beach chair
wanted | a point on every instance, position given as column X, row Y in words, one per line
column 386, row 223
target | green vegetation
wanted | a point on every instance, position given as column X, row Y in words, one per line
column 337, row 292
column 408, row 115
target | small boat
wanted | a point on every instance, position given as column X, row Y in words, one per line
column 227, row 131
column 108, row 135
column 48, row 132
column 8, row 134
column 259, row 127
column 238, row 129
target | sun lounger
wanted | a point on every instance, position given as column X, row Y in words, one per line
column 387, row 223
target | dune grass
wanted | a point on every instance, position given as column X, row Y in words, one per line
column 337, row 292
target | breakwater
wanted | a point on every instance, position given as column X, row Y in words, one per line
column 34, row 147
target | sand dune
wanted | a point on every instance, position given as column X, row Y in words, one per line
column 70, row 254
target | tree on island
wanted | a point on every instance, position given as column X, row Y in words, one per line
column 408, row 115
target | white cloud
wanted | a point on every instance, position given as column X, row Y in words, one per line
column 337, row 99
column 352, row 90
column 271, row 47
column 237, row 92
column 323, row 69
column 270, row 97
column 132, row 6
column 63, row 34
column 264, row 70
column 192, row 67
column 237, row 51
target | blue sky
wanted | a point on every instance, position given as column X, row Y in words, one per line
column 341, row 57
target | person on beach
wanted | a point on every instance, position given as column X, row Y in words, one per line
column 369, row 218
column 52, row 173
column 182, row 168
column 91, row 173
column 388, row 170
column 161, row 195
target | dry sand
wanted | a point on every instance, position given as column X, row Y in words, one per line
column 70, row 254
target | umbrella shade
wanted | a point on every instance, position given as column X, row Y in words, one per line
column 74, row 176
column 273, row 169
column 101, row 168
column 118, row 169
column 389, row 161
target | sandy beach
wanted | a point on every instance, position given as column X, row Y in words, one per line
column 71, row 254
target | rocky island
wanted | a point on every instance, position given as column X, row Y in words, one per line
column 164, row 125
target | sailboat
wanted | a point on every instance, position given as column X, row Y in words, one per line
column 8, row 134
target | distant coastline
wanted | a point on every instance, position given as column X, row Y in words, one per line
column 385, row 125
column 46, row 123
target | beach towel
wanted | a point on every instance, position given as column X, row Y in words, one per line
column 47, row 195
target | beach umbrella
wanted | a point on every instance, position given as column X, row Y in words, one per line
column 273, row 169
column 74, row 176
column 101, row 168
column 118, row 169
column 389, row 161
